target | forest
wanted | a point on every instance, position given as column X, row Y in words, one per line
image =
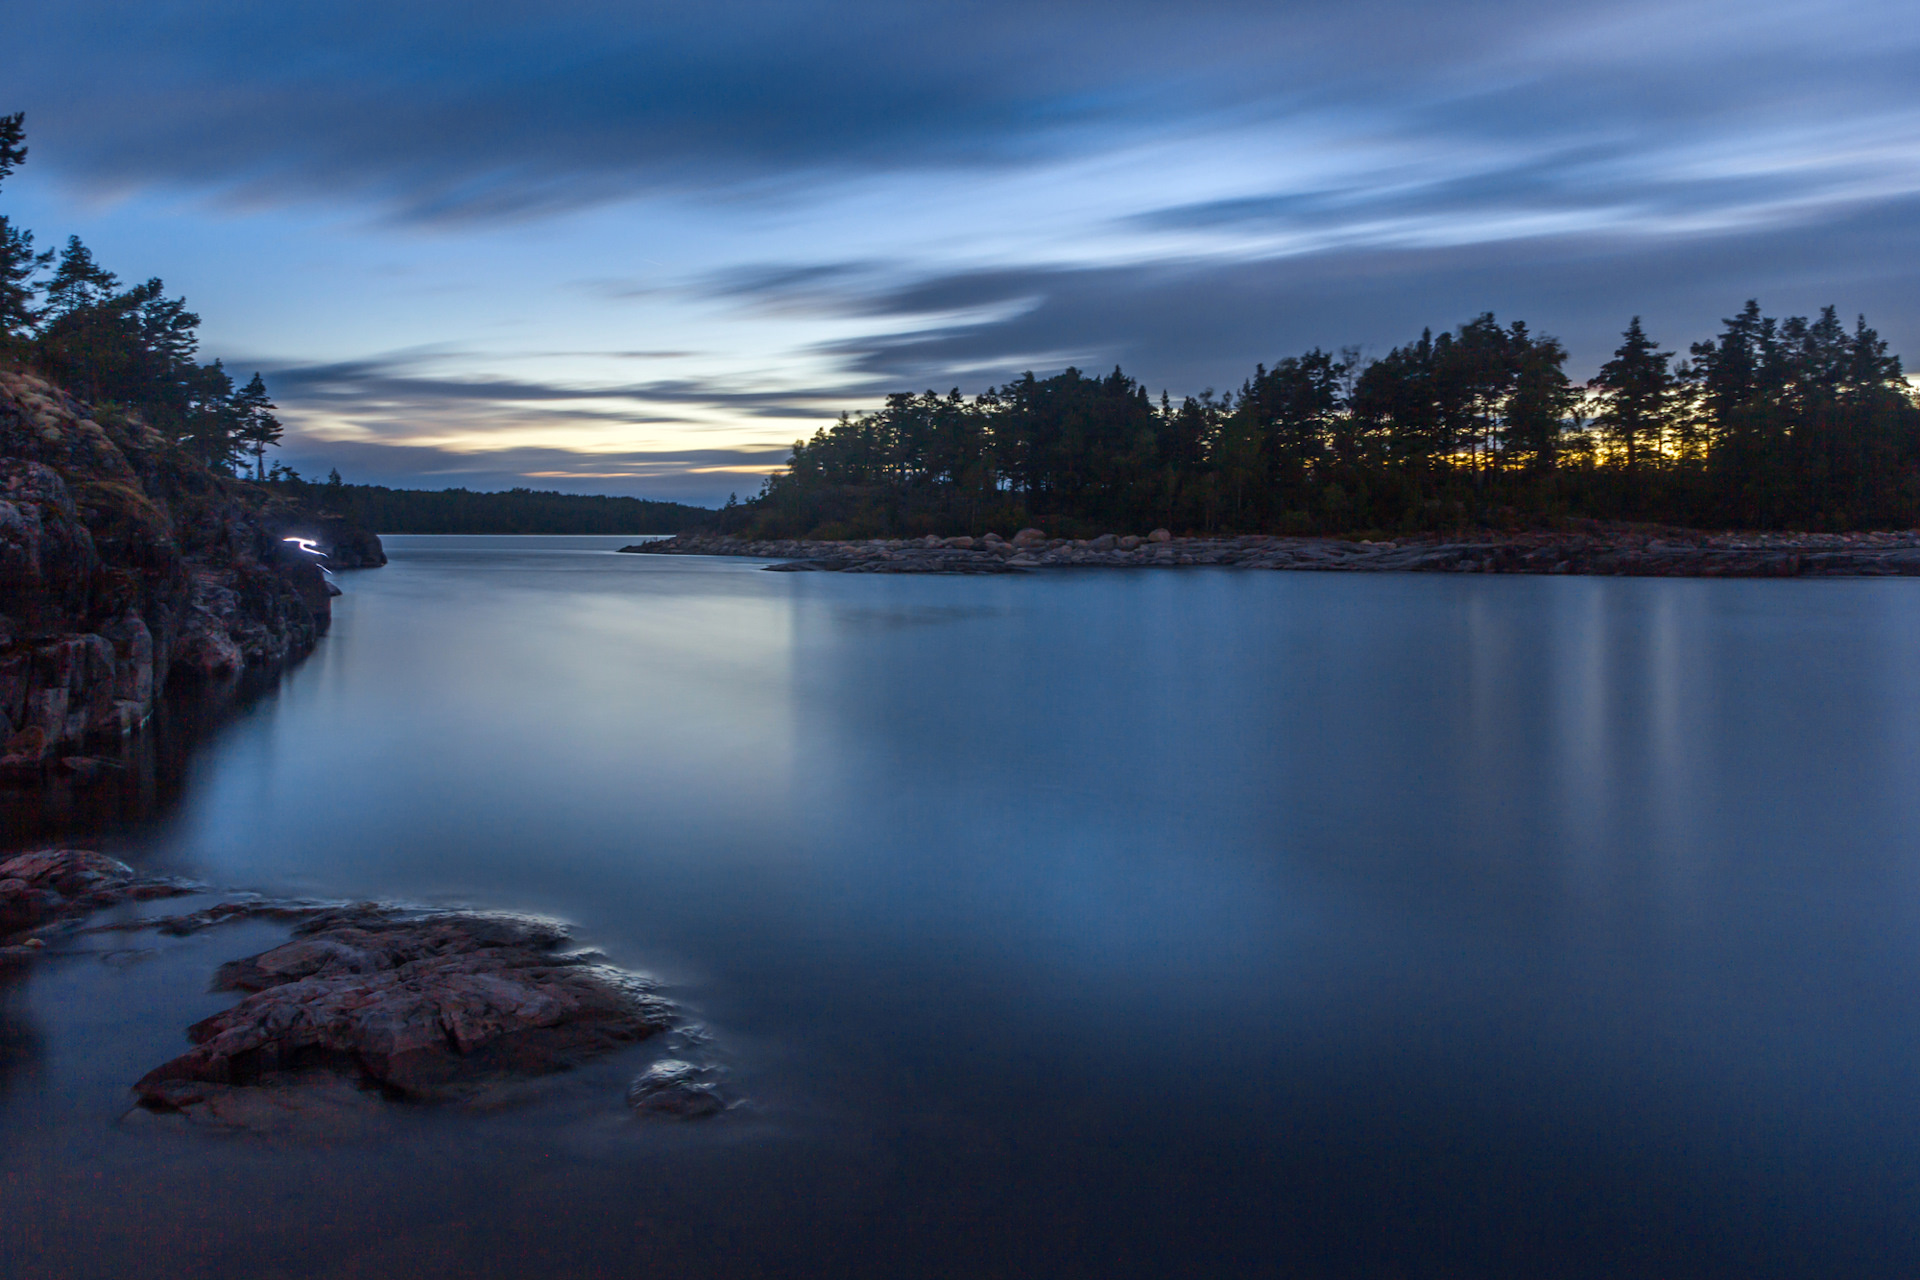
column 463, row 511
column 1767, row 424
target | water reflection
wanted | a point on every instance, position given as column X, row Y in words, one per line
column 1197, row 923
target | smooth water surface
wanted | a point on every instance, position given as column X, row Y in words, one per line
column 1192, row 923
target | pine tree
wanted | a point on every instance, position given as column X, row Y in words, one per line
column 79, row 283
column 258, row 428
column 19, row 264
column 211, row 424
column 13, row 142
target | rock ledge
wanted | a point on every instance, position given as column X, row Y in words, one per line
column 431, row 1006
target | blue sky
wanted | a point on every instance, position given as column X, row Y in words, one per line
column 641, row 248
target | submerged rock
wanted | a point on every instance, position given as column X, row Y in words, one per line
column 428, row 1006
column 677, row 1090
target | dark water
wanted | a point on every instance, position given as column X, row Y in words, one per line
column 1132, row 924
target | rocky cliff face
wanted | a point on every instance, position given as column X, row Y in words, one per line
column 124, row 561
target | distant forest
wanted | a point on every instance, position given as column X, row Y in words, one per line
column 1771, row 423
column 386, row 510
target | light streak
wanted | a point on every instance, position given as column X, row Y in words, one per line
column 307, row 545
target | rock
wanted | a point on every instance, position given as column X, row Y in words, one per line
column 54, row 886
column 675, row 1089
column 429, row 1005
column 298, row 1103
column 1603, row 550
column 1029, row 538
column 122, row 560
column 345, row 544
column 29, row 746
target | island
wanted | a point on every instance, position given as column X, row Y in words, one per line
column 1585, row 548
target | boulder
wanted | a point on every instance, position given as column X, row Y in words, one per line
column 1160, row 535
column 1029, row 538
column 676, row 1090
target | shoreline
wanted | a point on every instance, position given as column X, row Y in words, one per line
column 1611, row 552
column 366, row 1004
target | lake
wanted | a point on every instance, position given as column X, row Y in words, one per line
column 1127, row 923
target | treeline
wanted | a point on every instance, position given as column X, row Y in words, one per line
column 1769, row 423
column 384, row 510
column 123, row 347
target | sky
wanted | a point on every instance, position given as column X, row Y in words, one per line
column 641, row 248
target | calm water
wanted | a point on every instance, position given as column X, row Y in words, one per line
column 1185, row 924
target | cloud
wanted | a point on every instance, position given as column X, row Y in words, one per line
column 492, row 109
column 379, row 386
column 859, row 196
column 1187, row 324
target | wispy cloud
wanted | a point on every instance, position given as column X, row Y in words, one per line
column 679, row 226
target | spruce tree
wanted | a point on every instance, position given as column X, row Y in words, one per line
column 1635, row 394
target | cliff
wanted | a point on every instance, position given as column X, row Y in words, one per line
column 124, row 561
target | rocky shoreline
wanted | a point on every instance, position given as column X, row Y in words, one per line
column 369, row 1004
column 1625, row 551
column 125, row 561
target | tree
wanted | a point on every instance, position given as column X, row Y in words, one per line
column 255, row 426
column 1541, row 402
column 210, row 424
column 1635, row 393
column 19, row 264
column 13, row 143
column 79, row 283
